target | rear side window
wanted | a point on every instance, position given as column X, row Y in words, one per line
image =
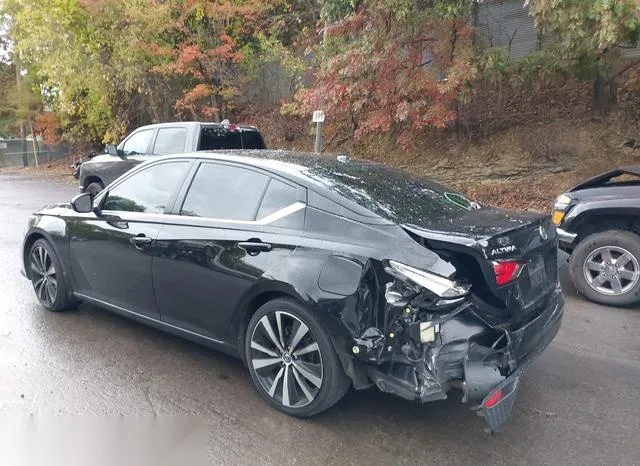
column 148, row 190
column 217, row 137
column 252, row 140
column 170, row 141
column 224, row 192
column 278, row 196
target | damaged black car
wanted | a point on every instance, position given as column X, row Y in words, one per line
column 321, row 273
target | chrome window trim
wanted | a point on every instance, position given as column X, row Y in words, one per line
column 175, row 218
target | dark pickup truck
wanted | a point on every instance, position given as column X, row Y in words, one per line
column 163, row 139
column 598, row 223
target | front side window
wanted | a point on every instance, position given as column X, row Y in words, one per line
column 138, row 143
column 170, row 141
column 224, row 192
column 148, row 190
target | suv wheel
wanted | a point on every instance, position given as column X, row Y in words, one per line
column 605, row 267
column 292, row 361
column 94, row 188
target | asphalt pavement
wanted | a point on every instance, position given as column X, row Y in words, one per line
column 579, row 403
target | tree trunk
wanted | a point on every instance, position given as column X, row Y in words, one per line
column 605, row 94
column 613, row 91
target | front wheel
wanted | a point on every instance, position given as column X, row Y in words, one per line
column 292, row 361
column 47, row 277
column 94, row 188
column 605, row 267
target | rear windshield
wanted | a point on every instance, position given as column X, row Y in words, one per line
column 216, row 137
column 391, row 193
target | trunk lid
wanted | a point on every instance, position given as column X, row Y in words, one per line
column 477, row 239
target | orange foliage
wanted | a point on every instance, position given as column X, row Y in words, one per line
column 48, row 125
column 393, row 76
column 207, row 37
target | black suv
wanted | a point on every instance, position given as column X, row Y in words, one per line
column 164, row 139
column 598, row 223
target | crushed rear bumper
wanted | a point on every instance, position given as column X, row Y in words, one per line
column 527, row 344
column 462, row 356
column 495, row 415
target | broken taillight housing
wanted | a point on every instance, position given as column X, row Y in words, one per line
column 443, row 287
column 507, row 271
column 493, row 400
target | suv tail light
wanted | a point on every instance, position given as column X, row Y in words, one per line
column 506, row 271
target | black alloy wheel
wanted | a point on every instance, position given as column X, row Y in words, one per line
column 47, row 277
column 292, row 361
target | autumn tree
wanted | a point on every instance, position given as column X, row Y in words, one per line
column 20, row 103
column 392, row 66
column 108, row 66
column 89, row 61
column 208, row 45
column 589, row 37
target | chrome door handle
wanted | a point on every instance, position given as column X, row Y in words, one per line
column 141, row 241
column 254, row 247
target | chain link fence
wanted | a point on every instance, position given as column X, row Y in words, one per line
column 29, row 153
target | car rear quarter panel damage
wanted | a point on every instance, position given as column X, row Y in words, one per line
column 422, row 346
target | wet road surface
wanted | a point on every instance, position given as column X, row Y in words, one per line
column 578, row 404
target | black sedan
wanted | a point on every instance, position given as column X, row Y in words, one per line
column 320, row 273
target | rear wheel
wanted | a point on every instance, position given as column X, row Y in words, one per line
column 605, row 267
column 94, row 188
column 47, row 277
column 292, row 361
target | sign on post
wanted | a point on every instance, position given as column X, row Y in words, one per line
column 318, row 116
column 318, row 119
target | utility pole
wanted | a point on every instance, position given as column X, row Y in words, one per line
column 16, row 65
column 33, row 141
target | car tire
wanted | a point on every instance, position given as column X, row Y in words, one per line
column 602, row 280
column 48, row 277
column 275, row 353
column 94, row 188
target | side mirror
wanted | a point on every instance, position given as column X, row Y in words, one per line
column 82, row 203
column 112, row 150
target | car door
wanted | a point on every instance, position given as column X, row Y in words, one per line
column 170, row 140
column 232, row 226
column 134, row 150
column 111, row 252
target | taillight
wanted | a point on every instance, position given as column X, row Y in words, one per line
column 506, row 271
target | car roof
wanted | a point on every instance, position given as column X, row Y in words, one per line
column 374, row 192
column 281, row 161
column 171, row 124
column 297, row 167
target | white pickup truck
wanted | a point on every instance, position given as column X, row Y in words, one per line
column 163, row 139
